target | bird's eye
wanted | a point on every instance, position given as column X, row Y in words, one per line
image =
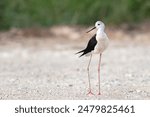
column 98, row 24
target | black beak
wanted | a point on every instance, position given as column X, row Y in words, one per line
column 91, row 29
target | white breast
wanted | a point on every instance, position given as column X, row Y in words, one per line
column 102, row 43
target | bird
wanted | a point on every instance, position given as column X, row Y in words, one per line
column 96, row 45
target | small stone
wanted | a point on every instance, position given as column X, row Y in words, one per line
column 138, row 91
column 70, row 85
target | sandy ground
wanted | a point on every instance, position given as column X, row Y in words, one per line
column 49, row 69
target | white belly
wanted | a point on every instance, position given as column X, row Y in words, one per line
column 102, row 44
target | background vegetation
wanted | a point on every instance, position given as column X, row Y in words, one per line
column 37, row 13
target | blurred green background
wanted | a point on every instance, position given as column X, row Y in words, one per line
column 41, row 13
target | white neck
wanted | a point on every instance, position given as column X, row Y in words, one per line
column 100, row 30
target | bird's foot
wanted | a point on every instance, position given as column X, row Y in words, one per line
column 90, row 93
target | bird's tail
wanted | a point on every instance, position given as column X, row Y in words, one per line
column 81, row 52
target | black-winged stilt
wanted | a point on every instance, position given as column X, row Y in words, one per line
column 96, row 45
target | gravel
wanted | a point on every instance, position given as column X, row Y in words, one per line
column 44, row 72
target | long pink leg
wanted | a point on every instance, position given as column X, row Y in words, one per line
column 89, row 92
column 99, row 93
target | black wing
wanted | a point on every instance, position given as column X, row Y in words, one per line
column 90, row 46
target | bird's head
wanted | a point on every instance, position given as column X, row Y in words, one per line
column 98, row 25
